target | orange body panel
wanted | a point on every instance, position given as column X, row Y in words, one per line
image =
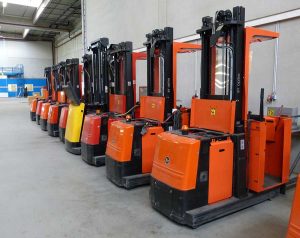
column 185, row 118
column 63, row 117
column 257, row 149
column 218, row 115
column 220, row 170
column 117, row 103
column 176, row 161
column 119, row 144
column 45, row 110
column 39, row 107
column 33, row 105
column 53, row 114
column 149, row 141
column 61, row 97
column 152, row 108
column 269, row 152
column 294, row 224
column 110, row 121
column 271, row 128
column 44, row 93
column 91, row 129
column 278, row 150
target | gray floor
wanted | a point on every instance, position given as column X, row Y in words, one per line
column 47, row 192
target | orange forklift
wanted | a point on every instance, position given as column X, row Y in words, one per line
column 95, row 97
column 131, row 143
column 59, row 74
column 122, row 102
column 294, row 224
column 229, row 159
column 46, row 96
column 51, row 100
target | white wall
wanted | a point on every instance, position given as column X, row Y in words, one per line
column 70, row 49
column 34, row 55
column 122, row 20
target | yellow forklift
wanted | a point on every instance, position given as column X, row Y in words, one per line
column 74, row 80
column 228, row 159
column 95, row 98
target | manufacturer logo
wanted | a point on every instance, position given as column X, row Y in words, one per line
column 213, row 111
column 153, row 105
column 167, row 160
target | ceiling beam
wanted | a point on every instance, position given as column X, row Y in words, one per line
column 28, row 25
column 5, row 35
column 16, row 36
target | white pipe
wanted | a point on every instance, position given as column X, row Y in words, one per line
column 275, row 68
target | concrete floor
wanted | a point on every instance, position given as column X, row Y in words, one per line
column 47, row 192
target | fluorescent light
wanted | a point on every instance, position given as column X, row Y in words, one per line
column 40, row 10
column 29, row 3
column 25, row 32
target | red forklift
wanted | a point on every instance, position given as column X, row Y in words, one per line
column 59, row 74
column 37, row 104
column 228, row 159
column 95, row 97
column 122, row 102
column 131, row 142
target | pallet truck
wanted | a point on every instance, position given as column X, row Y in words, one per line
column 122, row 102
column 228, row 159
column 46, row 96
column 94, row 100
column 131, row 143
column 59, row 73
column 294, row 224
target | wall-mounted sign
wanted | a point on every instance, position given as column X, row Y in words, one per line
column 29, row 87
column 12, row 87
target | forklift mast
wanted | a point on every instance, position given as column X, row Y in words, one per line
column 48, row 73
column 72, row 86
column 120, row 73
column 87, row 61
column 62, row 74
column 97, row 88
column 223, row 48
column 159, row 46
column 57, row 83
